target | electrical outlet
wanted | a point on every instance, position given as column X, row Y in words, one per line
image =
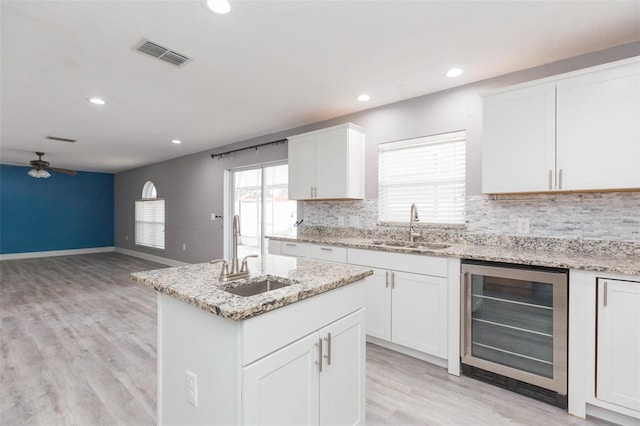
column 126, row 238
column 184, row 246
column 354, row 221
column 191, row 388
column 213, row 216
column 523, row 226
column 340, row 220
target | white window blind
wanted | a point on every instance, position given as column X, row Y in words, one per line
column 429, row 171
column 150, row 223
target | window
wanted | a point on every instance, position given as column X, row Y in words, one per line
column 260, row 197
column 150, row 218
column 428, row 171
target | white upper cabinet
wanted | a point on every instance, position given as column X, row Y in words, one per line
column 327, row 164
column 519, row 144
column 572, row 132
column 598, row 129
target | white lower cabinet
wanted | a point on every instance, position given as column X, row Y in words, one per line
column 406, row 308
column 604, row 346
column 419, row 307
column 618, row 344
column 318, row 379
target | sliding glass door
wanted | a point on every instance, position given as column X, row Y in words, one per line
column 259, row 195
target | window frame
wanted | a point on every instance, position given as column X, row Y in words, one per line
column 150, row 189
column 429, row 185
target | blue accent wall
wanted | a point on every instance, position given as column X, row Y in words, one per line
column 59, row 213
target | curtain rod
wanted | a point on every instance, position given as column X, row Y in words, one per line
column 278, row 142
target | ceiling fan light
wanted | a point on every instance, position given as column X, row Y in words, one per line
column 33, row 173
column 44, row 174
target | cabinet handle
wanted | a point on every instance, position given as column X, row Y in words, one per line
column 550, row 180
column 393, row 280
column 386, row 281
column 328, row 355
column 604, row 296
column 311, row 191
column 290, row 245
column 319, row 362
column 315, row 192
column 560, row 179
column 325, row 249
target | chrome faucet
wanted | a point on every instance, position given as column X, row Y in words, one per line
column 412, row 224
column 237, row 272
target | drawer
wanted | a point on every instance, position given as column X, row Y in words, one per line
column 293, row 249
column 413, row 263
column 328, row 253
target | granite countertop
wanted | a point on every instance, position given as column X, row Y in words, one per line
column 539, row 254
column 198, row 284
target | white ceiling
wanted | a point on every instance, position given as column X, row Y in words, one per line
column 266, row 67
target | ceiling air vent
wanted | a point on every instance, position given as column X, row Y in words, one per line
column 162, row 53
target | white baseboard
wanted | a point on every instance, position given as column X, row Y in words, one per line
column 159, row 259
column 408, row 351
column 52, row 253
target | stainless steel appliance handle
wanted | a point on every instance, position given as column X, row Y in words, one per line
column 466, row 314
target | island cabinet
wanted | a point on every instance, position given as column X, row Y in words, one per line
column 310, row 379
column 604, row 346
column 406, row 299
column 572, row 132
column 327, row 164
column 299, row 364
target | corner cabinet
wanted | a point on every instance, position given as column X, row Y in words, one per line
column 572, row 132
column 327, row 164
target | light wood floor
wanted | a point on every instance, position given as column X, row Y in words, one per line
column 78, row 347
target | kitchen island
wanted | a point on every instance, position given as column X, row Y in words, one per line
column 292, row 355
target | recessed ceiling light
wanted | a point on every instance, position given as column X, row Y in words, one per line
column 364, row 98
column 219, row 6
column 454, row 72
column 176, row 141
column 97, row 101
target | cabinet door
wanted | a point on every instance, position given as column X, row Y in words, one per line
column 332, row 164
column 302, row 164
column 518, row 140
column 419, row 306
column 378, row 304
column 599, row 129
column 283, row 388
column 342, row 381
column 618, row 354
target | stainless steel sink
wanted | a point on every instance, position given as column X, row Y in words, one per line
column 406, row 244
column 258, row 287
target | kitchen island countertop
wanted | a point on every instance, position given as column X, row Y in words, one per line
column 198, row 284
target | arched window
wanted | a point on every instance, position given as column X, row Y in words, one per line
column 149, row 190
column 150, row 218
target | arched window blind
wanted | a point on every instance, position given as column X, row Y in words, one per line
column 150, row 218
column 428, row 171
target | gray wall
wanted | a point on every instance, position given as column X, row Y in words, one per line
column 193, row 185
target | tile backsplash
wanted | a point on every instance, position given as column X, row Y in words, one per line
column 602, row 216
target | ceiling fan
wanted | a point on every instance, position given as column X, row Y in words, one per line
column 40, row 168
